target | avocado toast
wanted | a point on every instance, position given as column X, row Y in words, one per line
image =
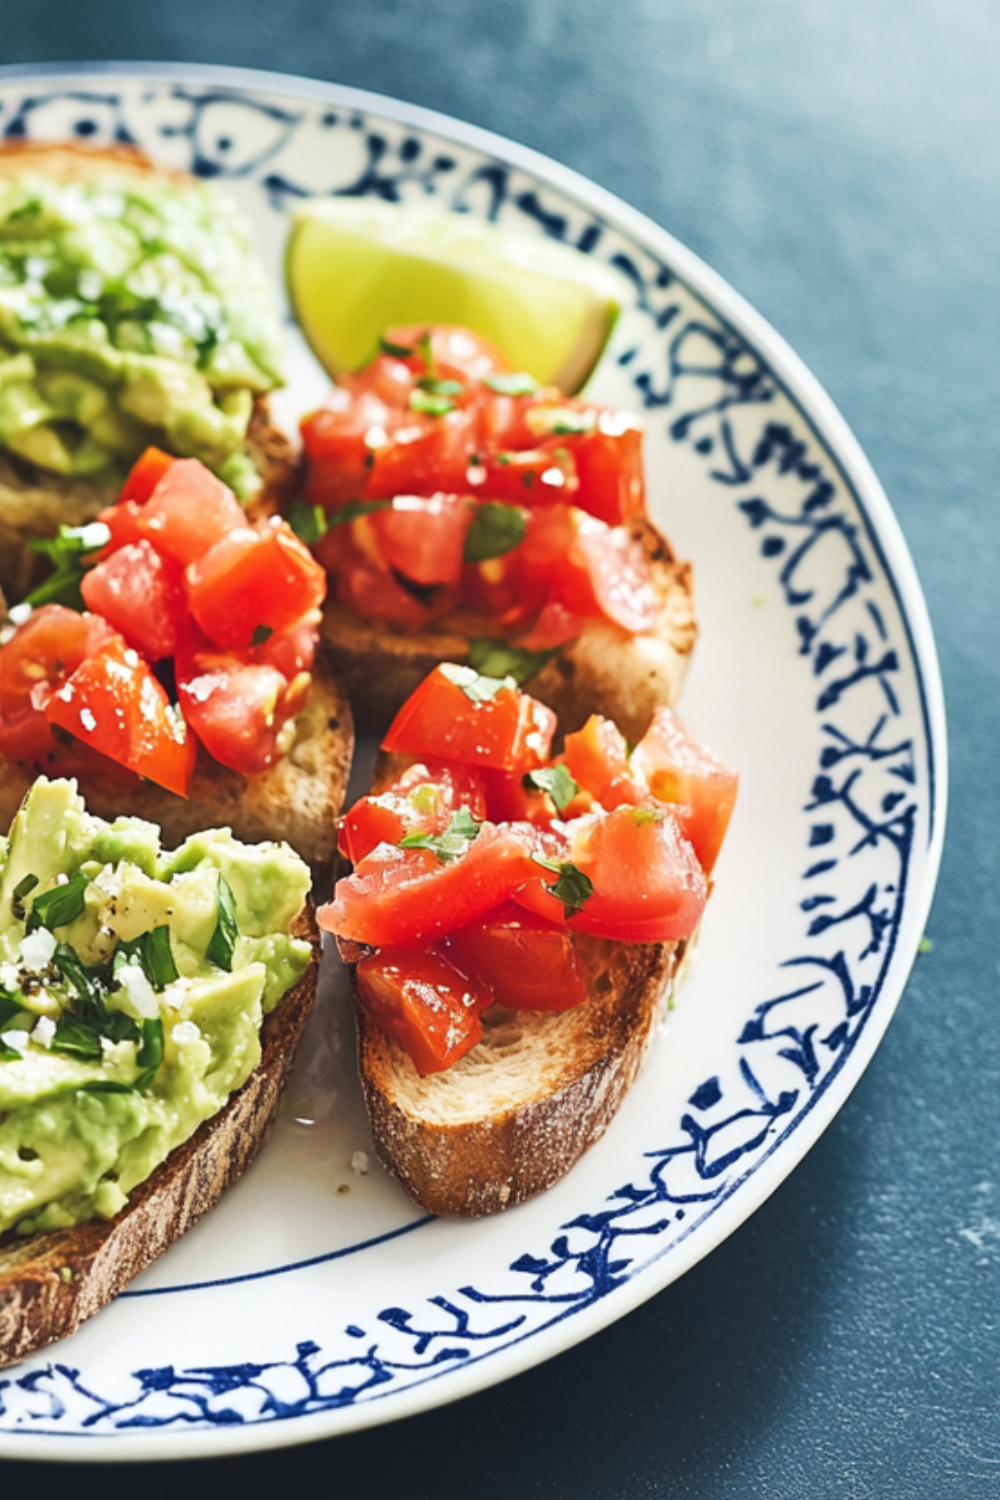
column 150, row 1004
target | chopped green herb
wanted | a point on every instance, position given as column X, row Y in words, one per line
column 441, row 387
column 9, row 1008
column 66, row 552
column 476, row 686
column 353, row 509
column 431, row 406
column 426, row 353
column 85, row 983
column 59, row 906
column 105, row 1086
column 555, row 780
column 504, row 458
column 150, row 1053
column 223, row 941
column 564, row 421
column 155, row 955
column 572, row 888
column 308, row 521
column 519, row 384
column 496, row 530
column 8, row 1054
column 77, row 1039
column 451, row 844
column 398, row 351
column 262, row 635
column 498, row 659
column 24, row 887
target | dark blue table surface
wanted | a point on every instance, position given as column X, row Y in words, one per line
column 839, row 162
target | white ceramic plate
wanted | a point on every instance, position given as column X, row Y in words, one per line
column 316, row 1298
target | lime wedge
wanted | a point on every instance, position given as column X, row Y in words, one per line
column 355, row 266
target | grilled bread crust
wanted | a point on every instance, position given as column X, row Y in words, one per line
column 605, row 671
column 517, row 1112
column 35, row 502
column 298, row 800
column 49, row 1283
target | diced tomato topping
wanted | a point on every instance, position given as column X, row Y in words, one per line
column 455, row 353
column 375, row 594
column 533, row 477
column 122, row 520
column 403, row 897
column 114, row 704
column 555, row 626
column 422, row 800
column 336, row 440
column 605, row 571
column 47, row 648
column 608, row 463
column 527, row 962
column 423, row 537
column 145, row 475
column 648, row 886
column 597, row 758
column 289, row 651
column 424, row 1004
column 508, row 800
column 142, row 595
column 189, row 511
column 238, row 707
column 680, row 770
column 510, row 731
column 423, row 455
column 251, row 582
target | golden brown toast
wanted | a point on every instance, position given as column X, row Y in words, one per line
column 605, row 671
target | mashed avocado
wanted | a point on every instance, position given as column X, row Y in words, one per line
column 133, row 982
column 131, row 312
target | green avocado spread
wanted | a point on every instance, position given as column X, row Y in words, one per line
column 133, row 982
column 131, row 312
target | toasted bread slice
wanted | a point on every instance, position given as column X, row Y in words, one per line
column 517, row 1112
column 34, row 502
column 605, row 671
column 49, row 1283
column 298, row 800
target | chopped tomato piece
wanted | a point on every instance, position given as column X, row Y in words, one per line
column 122, row 520
column 423, row 537
column 399, row 897
column 39, row 657
column 648, row 886
column 252, row 582
column 339, row 440
column 455, row 353
column 424, row 1004
column 555, row 626
column 367, row 586
column 508, row 800
column 145, row 475
column 680, row 770
column 597, row 758
column 532, row 477
column 238, row 707
column 290, row 651
column 189, row 511
column 142, row 595
column 510, row 731
column 423, row 800
column 114, row 704
column 528, row 963
column 423, row 455
column 605, row 571
column 504, row 420
column 608, row 462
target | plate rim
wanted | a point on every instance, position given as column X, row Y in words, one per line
column 885, row 535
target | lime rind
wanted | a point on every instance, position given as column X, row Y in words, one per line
column 355, row 267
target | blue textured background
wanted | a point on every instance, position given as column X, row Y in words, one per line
column 839, row 162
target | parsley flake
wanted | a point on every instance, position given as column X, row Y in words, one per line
column 67, row 552
column 452, row 843
column 262, row 635
column 499, row 659
column 398, row 351
column 572, row 888
column 517, row 384
column 307, row 521
column 555, row 780
column 60, row 905
column 496, row 530
column 429, row 405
